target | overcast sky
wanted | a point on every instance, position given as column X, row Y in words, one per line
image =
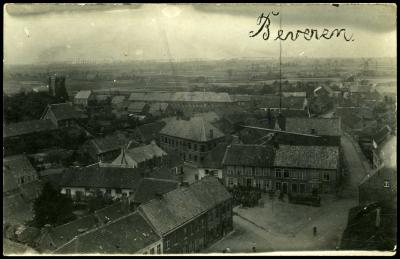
column 35, row 33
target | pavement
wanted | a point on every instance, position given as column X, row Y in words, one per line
column 281, row 226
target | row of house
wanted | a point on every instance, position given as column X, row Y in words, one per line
column 173, row 220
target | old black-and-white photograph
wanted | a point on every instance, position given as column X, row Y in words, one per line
column 157, row 129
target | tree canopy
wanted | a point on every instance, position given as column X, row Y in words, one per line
column 52, row 207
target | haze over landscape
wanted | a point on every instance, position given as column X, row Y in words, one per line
column 54, row 33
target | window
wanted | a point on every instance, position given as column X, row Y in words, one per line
column 278, row 186
column 293, row 174
column 326, row 176
column 209, row 146
column 230, row 181
column 294, row 187
column 267, row 172
column 302, row 188
column 239, row 171
column 258, row 183
column 152, row 251
column 258, row 171
column 158, row 249
column 190, row 156
column 203, row 148
column 195, row 158
column 167, row 244
column 190, row 145
column 215, row 144
column 22, row 180
column 285, row 173
column 278, row 173
column 386, row 184
column 195, row 147
column 201, row 159
column 249, row 171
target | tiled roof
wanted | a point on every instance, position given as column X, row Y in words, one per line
column 16, row 210
column 64, row 111
column 144, row 153
column 149, row 131
column 322, row 126
column 214, row 158
column 183, row 204
column 101, row 177
column 108, row 143
column 151, row 97
column 272, row 101
column 208, row 116
column 15, row 167
column 62, row 234
column 126, row 235
column 118, row 99
column 317, row 157
column 83, row 94
column 180, row 97
column 201, row 97
column 382, row 134
column 27, row 127
column 249, row 155
column 158, row 107
column 196, row 128
column 136, row 107
column 113, row 211
column 149, row 188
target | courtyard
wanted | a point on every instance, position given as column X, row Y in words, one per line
column 281, row 226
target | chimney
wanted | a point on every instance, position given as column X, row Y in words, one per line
column 211, row 133
column 378, row 218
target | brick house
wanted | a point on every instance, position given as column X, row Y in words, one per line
column 193, row 139
column 145, row 156
column 21, row 136
column 191, row 218
column 289, row 169
column 62, row 115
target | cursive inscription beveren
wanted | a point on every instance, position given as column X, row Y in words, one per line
column 308, row 34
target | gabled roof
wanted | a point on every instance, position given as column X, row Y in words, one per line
column 149, row 131
column 382, row 134
column 144, row 153
column 64, row 111
column 108, row 143
column 101, row 177
column 196, row 129
column 113, row 211
column 318, row 157
column 181, row 205
column 249, row 155
column 83, row 94
column 62, row 234
column 272, row 101
column 215, row 157
column 15, row 167
column 126, row 235
column 150, row 187
column 151, row 97
column 201, row 97
column 322, row 126
column 118, row 99
column 27, row 127
column 136, row 107
column 158, row 107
